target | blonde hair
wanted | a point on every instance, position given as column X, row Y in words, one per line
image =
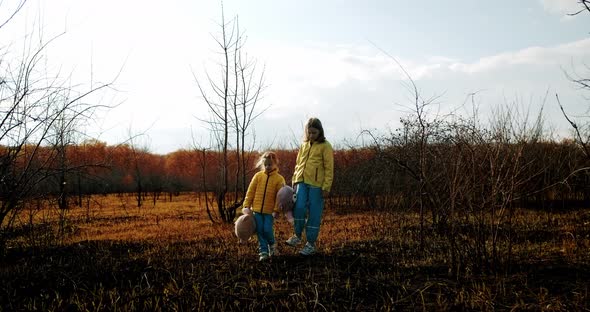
column 267, row 155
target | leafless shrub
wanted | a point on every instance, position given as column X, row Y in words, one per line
column 40, row 113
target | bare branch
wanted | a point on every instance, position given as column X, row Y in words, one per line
column 582, row 142
column 16, row 10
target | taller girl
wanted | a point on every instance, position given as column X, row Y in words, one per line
column 312, row 180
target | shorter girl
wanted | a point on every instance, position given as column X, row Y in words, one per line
column 261, row 198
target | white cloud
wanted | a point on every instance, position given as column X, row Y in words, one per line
column 323, row 67
column 358, row 87
column 540, row 56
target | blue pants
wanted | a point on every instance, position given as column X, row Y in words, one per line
column 310, row 202
column 264, row 230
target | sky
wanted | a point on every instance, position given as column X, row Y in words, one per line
column 331, row 59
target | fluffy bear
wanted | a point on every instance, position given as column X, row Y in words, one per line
column 286, row 200
column 245, row 225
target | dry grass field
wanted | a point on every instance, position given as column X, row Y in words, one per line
column 112, row 256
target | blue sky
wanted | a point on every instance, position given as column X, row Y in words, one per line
column 319, row 60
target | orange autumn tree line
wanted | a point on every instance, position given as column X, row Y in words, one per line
column 365, row 177
column 93, row 167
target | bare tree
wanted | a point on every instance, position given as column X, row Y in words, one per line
column 37, row 109
column 138, row 160
column 581, row 131
column 248, row 91
column 416, row 134
column 61, row 137
column 232, row 101
column 203, row 166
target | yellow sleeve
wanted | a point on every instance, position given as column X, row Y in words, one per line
column 251, row 191
column 328, row 167
column 298, row 163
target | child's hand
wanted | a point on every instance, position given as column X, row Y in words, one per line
column 275, row 215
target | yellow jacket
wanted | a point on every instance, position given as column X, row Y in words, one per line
column 262, row 191
column 315, row 165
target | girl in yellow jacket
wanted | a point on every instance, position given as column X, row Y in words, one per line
column 312, row 179
column 261, row 198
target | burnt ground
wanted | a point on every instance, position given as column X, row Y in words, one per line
column 207, row 275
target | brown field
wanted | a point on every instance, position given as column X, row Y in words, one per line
column 111, row 255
